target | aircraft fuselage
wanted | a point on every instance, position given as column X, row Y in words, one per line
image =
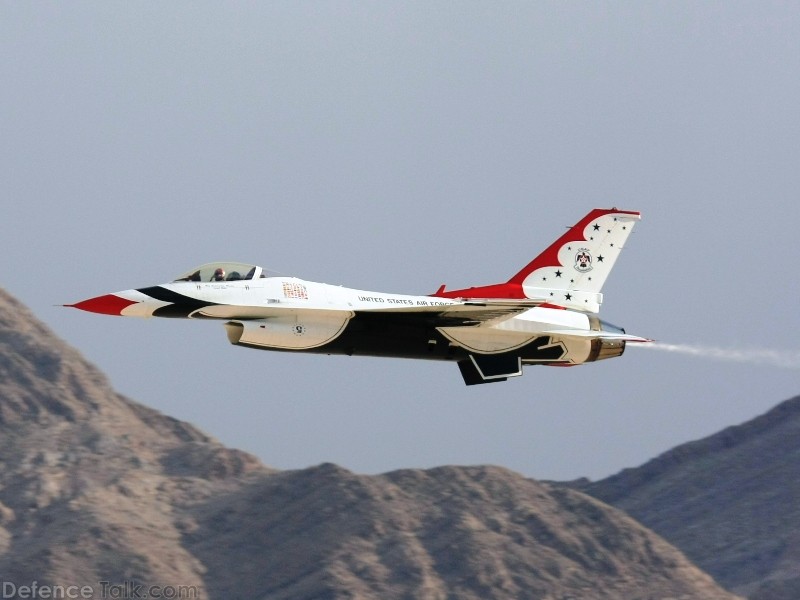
column 546, row 314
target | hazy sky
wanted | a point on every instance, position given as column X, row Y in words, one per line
column 396, row 147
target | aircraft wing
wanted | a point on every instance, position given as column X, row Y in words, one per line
column 470, row 312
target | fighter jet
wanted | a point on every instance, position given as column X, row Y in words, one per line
column 546, row 314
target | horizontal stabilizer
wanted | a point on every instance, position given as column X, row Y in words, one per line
column 602, row 335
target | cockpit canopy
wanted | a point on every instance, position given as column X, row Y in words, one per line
column 224, row 271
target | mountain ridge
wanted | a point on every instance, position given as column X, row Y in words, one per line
column 740, row 486
column 95, row 487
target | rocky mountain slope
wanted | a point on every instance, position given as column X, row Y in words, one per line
column 731, row 502
column 97, row 488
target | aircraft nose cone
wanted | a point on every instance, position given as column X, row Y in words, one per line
column 109, row 304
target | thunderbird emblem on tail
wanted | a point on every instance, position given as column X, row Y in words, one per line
column 583, row 261
column 545, row 314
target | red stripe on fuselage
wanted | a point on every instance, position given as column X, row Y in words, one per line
column 499, row 290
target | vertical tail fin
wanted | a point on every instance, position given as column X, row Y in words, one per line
column 572, row 270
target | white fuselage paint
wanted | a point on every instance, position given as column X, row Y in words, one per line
column 544, row 314
column 293, row 314
column 272, row 293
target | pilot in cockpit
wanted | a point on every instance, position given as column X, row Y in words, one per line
column 219, row 274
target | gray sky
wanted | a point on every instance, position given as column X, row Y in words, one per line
column 395, row 147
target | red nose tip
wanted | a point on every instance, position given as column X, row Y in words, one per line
column 105, row 305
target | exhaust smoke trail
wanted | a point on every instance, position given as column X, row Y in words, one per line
column 785, row 359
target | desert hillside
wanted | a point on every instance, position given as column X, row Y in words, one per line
column 730, row 501
column 97, row 488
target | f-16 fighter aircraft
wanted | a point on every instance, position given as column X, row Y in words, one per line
column 546, row 314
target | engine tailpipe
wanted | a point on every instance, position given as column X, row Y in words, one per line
column 603, row 349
